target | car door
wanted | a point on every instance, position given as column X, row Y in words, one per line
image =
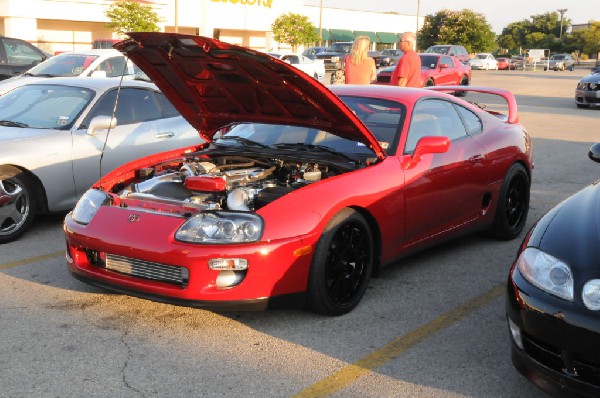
column 447, row 72
column 17, row 56
column 443, row 191
column 135, row 135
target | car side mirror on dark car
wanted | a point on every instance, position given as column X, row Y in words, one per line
column 594, row 152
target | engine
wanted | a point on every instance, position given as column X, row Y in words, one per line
column 226, row 183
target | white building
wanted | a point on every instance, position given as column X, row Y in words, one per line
column 65, row 25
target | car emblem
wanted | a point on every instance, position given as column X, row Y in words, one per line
column 133, row 218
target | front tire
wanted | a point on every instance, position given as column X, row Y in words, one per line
column 513, row 204
column 464, row 81
column 17, row 206
column 342, row 264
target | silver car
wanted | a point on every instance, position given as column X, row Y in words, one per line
column 59, row 136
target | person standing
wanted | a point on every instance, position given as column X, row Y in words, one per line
column 408, row 70
column 359, row 68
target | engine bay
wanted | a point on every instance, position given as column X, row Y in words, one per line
column 236, row 183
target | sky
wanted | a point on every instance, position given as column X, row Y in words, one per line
column 498, row 13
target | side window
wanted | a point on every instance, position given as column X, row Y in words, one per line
column 447, row 61
column 134, row 106
column 433, row 118
column 168, row 110
column 113, row 67
column 472, row 122
column 20, row 53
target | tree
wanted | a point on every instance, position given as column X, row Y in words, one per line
column 131, row 16
column 465, row 27
column 294, row 29
column 540, row 31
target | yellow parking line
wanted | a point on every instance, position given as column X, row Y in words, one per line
column 32, row 260
column 350, row 373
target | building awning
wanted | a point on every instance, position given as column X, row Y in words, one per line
column 342, row 35
column 387, row 38
column 372, row 36
column 325, row 34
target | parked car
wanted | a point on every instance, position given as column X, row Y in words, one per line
column 517, row 62
column 483, row 61
column 561, row 62
column 587, row 92
column 311, row 67
column 312, row 52
column 17, row 56
column 436, row 70
column 104, row 43
column 503, row 63
column 57, row 137
column 334, row 55
column 553, row 298
column 449, row 49
column 389, row 57
column 376, row 55
column 87, row 63
column 302, row 193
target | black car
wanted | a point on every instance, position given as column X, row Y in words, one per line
column 390, row 57
column 18, row 56
column 553, row 297
column 311, row 52
column 587, row 92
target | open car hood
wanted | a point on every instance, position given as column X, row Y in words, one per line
column 214, row 84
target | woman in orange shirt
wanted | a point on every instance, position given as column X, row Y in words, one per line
column 359, row 68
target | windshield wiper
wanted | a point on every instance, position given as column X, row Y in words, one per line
column 243, row 140
column 10, row 123
column 321, row 148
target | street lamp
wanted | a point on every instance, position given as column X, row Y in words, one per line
column 321, row 23
column 562, row 13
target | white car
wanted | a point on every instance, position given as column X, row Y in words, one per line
column 483, row 61
column 87, row 63
column 58, row 136
column 312, row 67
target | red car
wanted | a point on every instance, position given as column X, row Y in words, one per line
column 300, row 194
column 503, row 63
column 436, row 70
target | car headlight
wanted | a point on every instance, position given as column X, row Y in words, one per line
column 591, row 294
column 546, row 272
column 594, row 86
column 221, row 227
column 335, row 59
column 581, row 86
column 88, row 205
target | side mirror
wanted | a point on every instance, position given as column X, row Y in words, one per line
column 594, row 152
column 442, row 66
column 426, row 145
column 101, row 122
column 98, row 73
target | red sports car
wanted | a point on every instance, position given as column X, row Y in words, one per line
column 300, row 194
column 436, row 70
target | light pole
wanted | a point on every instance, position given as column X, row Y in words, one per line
column 417, row 31
column 562, row 13
column 321, row 23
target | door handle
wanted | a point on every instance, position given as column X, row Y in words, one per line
column 476, row 158
column 167, row 134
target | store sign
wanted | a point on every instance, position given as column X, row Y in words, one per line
column 264, row 3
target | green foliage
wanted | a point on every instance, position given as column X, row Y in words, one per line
column 465, row 27
column 294, row 29
column 540, row 31
column 130, row 16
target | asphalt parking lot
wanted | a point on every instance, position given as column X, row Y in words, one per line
column 432, row 325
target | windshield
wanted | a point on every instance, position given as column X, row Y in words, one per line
column 438, row 49
column 340, row 47
column 557, row 57
column 429, row 61
column 383, row 118
column 481, row 56
column 44, row 106
column 63, row 65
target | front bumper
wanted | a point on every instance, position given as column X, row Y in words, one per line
column 587, row 97
column 148, row 255
column 560, row 343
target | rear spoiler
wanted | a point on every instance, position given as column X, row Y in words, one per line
column 513, row 114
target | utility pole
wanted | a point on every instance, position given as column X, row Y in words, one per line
column 321, row 23
column 562, row 13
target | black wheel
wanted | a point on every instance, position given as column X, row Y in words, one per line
column 464, row 81
column 429, row 83
column 513, row 203
column 342, row 264
column 17, row 207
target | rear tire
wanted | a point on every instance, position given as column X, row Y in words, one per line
column 429, row 83
column 513, row 203
column 342, row 264
column 17, row 214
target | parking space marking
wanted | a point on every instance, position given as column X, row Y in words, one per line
column 32, row 260
column 350, row 373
